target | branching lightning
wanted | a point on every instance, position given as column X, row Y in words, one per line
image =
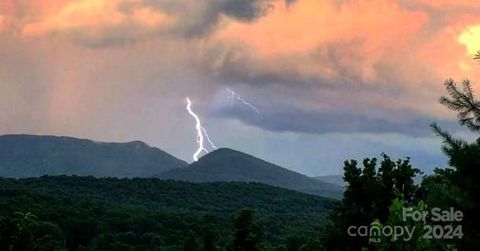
column 201, row 132
column 233, row 95
column 208, row 139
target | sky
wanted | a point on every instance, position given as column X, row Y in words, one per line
column 332, row 80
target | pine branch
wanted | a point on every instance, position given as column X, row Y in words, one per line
column 451, row 142
column 463, row 101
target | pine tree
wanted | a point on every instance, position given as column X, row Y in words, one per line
column 462, row 100
column 462, row 178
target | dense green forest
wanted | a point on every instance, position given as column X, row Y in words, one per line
column 87, row 213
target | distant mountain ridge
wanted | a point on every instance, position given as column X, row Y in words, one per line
column 24, row 156
column 32, row 156
column 230, row 165
column 333, row 179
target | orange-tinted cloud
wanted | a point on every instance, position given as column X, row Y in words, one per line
column 2, row 23
column 105, row 22
column 446, row 4
column 94, row 21
column 361, row 32
column 308, row 24
column 4, row 7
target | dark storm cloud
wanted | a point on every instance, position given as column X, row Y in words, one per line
column 246, row 10
column 293, row 119
column 205, row 16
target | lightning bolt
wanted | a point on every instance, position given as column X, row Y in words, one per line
column 233, row 95
column 201, row 132
column 208, row 139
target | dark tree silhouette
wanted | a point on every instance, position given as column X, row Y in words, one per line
column 190, row 244
column 462, row 100
column 368, row 197
column 459, row 184
column 209, row 238
column 247, row 233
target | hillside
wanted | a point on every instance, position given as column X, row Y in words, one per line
column 229, row 165
column 332, row 179
column 32, row 156
column 108, row 213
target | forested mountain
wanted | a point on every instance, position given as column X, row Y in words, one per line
column 148, row 213
column 333, row 179
column 32, row 156
column 230, row 165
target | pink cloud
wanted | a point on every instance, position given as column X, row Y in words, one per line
column 447, row 4
column 2, row 23
column 97, row 21
column 365, row 33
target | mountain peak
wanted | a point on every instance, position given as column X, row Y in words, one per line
column 227, row 150
column 224, row 150
column 225, row 153
column 230, row 165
